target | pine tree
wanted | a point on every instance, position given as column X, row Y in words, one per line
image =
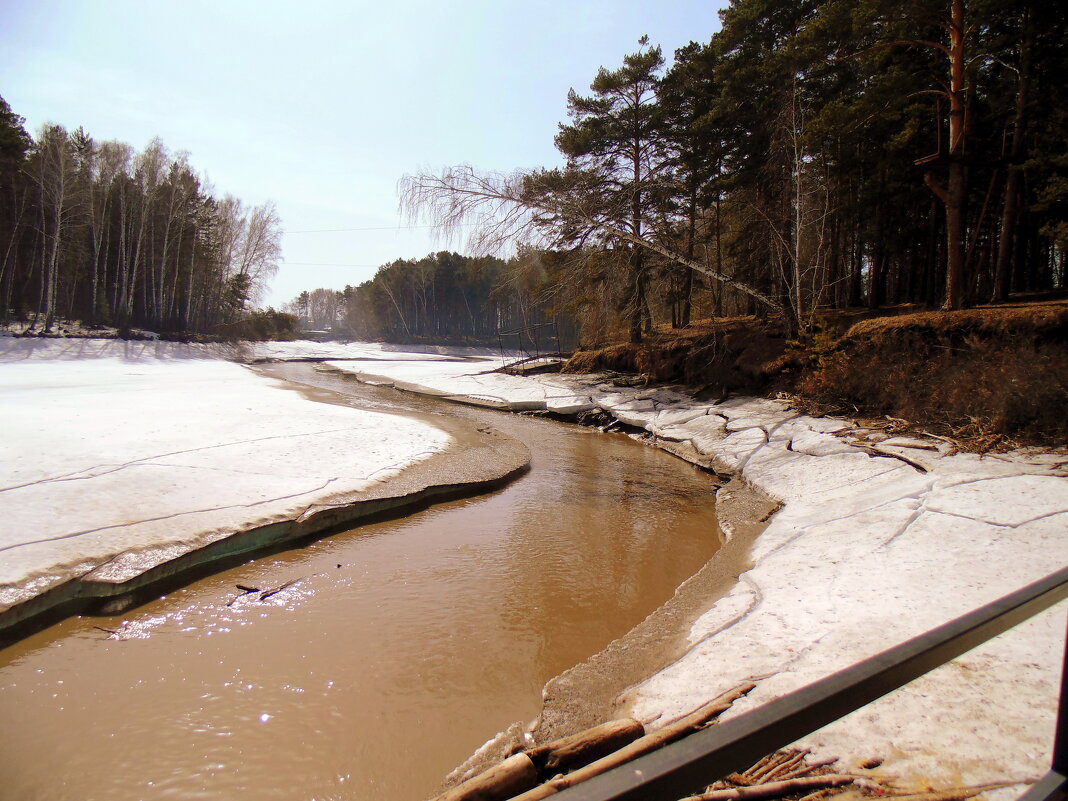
column 616, row 135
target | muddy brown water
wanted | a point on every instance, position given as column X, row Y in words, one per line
column 404, row 645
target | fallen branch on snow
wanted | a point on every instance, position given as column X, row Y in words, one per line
column 779, row 789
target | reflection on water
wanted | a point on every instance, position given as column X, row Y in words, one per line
column 401, row 647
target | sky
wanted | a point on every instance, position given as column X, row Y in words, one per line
column 322, row 107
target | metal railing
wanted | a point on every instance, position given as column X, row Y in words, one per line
column 708, row 755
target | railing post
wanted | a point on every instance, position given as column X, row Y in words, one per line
column 1060, row 741
column 1051, row 787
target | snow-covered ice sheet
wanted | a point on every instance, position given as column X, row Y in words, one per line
column 867, row 551
column 475, row 382
column 470, row 381
column 116, row 450
column 369, row 351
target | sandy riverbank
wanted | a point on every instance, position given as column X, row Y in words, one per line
column 132, row 464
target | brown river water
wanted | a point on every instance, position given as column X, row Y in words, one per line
column 404, row 645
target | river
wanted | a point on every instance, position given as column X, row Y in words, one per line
column 403, row 645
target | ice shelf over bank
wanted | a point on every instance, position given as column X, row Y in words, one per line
column 122, row 456
column 877, row 542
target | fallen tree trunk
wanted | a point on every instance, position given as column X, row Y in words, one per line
column 569, row 753
column 513, row 776
column 675, row 730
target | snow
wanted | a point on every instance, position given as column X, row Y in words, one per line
column 867, row 551
column 120, row 456
column 304, row 349
column 870, row 551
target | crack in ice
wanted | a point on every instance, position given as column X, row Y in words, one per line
column 757, row 598
column 72, row 535
column 114, row 468
column 902, row 530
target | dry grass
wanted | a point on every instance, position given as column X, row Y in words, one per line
column 1040, row 320
column 995, row 377
column 992, row 377
column 735, row 354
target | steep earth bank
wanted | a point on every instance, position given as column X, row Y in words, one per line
column 992, row 377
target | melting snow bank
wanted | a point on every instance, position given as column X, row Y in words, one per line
column 872, row 546
column 128, row 463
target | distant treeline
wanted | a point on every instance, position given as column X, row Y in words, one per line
column 98, row 232
column 810, row 154
column 443, row 297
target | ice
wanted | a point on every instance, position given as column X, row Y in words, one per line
column 120, row 456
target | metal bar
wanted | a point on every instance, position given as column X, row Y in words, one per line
column 1060, row 740
column 1050, row 787
column 708, row 755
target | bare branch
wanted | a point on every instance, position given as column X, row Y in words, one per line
column 539, row 209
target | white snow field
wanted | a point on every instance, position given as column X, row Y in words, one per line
column 122, row 456
column 868, row 551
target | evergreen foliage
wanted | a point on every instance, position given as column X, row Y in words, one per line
column 825, row 153
column 443, row 297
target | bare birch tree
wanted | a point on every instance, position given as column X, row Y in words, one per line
column 52, row 171
column 260, row 248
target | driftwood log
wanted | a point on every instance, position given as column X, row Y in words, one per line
column 574, row 759
column 568, row 753
column 582, row 756
column 675, row 730
column 501, row 782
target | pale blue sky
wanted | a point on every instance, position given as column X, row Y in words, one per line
column 323, row 106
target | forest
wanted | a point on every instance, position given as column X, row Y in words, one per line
column 443, row 297
column 98, row 232
column 810, row 155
